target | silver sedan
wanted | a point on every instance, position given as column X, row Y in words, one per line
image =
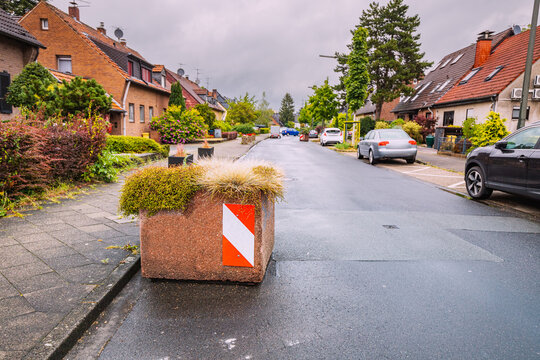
column 387, row 144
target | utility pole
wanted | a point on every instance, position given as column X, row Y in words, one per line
column 528, row 66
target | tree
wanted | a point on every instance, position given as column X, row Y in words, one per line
column 242, row 110
column 394, row 53
column 286, row 112
column 30, row 87
column 208, row 115
column 18, row 7
column 357, row 79
column 77, row 96
column 323, row 103
column 305, row 116
column 264, row 113
column 176, row 97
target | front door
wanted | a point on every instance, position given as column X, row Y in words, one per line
column 448, row 118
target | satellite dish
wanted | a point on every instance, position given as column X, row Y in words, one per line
column 118, row 33
column 180, row 72
column 516, row 29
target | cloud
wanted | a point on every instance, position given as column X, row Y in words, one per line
column 274, row 45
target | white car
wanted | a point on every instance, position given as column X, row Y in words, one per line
column 331, row 136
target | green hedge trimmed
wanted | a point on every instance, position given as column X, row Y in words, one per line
column 264, row 130
column 134, row 144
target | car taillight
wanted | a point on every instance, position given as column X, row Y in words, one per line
column 324, row 134
column 383, row 143
column 412, row 142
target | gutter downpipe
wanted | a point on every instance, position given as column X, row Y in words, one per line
column 124, row 106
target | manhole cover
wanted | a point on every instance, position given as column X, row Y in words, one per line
column 391, row 226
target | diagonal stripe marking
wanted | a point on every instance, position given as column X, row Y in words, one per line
column 238, row 235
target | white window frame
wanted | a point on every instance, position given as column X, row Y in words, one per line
column 141, row 113
column 150, row 113
column 131, row 113
column 64, row 59
column 443, row 85
column 445, row 63
column 457, row 58
column 44, row 23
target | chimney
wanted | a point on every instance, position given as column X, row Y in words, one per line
column 101, row 28
column 214, row 93
column 123, row 42
column 74, row 12
column 483, row 48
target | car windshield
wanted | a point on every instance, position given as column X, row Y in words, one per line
column 333, row 132
column 393, row 135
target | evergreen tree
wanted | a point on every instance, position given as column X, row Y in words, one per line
column 77, row 96
column 286, row 112
column 242, row 110
column 206, row 112
column 176, row 97
column 394, row 53
column 357, row 79
column 30, row 87
column 18, row 7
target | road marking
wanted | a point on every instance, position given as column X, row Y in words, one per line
column 417, row 170
column 456, row 184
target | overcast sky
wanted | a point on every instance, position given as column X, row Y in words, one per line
column 274, row 45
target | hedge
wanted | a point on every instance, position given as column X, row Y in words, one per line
column 134, row 144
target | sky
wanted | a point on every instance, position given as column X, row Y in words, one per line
column 273, row 46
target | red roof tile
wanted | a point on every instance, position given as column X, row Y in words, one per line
column 510, row 54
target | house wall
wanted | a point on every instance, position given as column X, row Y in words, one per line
column 387, row 107
column 11, row 61
column 479, row 111
column 190, row 100
column 139, row 95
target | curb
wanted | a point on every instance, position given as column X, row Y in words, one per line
column 61, row 339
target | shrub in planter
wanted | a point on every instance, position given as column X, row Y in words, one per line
column 135, row 144
column 189, row 216
column 178, row 127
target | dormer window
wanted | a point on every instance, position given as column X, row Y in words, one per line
column 493, row 73
column 469, row 76
column 44, row 24
column 147, row 75
column 162, row 81
column 130, row 68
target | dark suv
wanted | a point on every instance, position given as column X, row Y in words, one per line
column 511, row 165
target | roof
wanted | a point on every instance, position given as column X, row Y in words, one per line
column 158, row 68
column 60, row 76
column 511, row 55
column 444, row 76
column 10, row 28
column 116, row 53
column 368, row 108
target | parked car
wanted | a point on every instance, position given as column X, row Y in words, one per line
column 331, row 136
column 313, row 133
column 511, row 165
column 387, row 144
column 292, row 132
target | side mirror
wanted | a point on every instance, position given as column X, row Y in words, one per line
column 501, row 145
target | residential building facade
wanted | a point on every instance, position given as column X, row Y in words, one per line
column 74, row 47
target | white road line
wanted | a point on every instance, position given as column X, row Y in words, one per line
column 456, row 184
column 417, row 170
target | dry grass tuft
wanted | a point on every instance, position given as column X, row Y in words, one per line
column 244, row 180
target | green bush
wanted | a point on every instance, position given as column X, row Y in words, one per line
column 381, row 125
column 489, row 132
column 244, row 128
column 223, row 125
column 264, row 131
column 397, row 123
column 366, row 125
column 108, row 165
column 134, row 144
column 343, row 146
column 413, row 129
column 469, row 127
column 179, row 127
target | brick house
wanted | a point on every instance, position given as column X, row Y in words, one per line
column 369, row 110
column 74, row 47
column 17, row 48
column 494, row 83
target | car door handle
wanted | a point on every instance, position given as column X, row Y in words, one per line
column 522, row 158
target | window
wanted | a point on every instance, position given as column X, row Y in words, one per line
column 130, row 68
column 414, row 97
column 141, row 113
column 146, row 75
column 131, row 113
column 150, row 113
column 406, row 99
column 448, row 118
column 5, row 81
column 415, row 81
column 515, row 113
column 443, row 85
column 469, row 76
column 64, row 63
column 493, row 73
column 457, row 58
column 435, row 88
column 445, row 63
column 469, row 113
column 423, row 88
column 525, row 139
column 44, row 24
column 162, row 81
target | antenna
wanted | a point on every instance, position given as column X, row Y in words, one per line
column 207, row 82
column 75, row 4
column 197, row 81
column 119, row 33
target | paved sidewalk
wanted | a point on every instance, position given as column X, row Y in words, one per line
column 56, row 270
column 430, row 157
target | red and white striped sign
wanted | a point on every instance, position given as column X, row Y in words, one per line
column 238, row 235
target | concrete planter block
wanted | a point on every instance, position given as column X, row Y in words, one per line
column 192, row 246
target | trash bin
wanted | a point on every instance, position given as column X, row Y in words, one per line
column 430, row 139
column 146, row 135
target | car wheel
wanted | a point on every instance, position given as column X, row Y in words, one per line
column 476, row 184
column 411, row 160
column 358, row 154
column 371, row 158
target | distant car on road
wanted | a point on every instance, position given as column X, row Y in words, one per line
column 511, row 165
column 313, row 133
column 331, row 136
column 387, row 144
column 275, row 132
column 292, row 132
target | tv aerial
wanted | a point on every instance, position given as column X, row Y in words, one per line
column 75, row 3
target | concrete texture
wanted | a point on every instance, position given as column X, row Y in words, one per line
column 368, row 264
column 429, row 156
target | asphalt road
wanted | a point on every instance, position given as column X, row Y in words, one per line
column 368, row 264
